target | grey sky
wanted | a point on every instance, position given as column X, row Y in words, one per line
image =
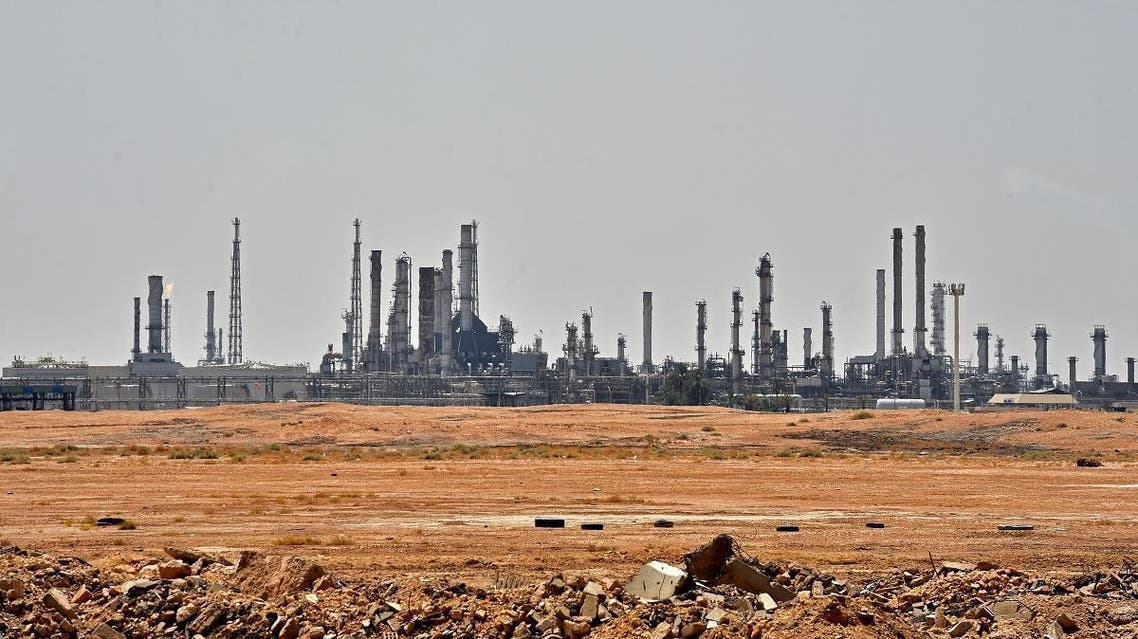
column 604, row 147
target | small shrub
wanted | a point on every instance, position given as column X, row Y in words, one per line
column 862, row 414
column 70, row 459
column 197, row 453
column 708, row 429
column 127, row 525
column 313, row 457
column 340, row 540
column 296, row 540
column 810, row 452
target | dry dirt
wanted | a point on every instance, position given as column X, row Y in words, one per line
column 454, row 491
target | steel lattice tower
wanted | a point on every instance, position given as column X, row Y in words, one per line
column 357, row 313
column 235, row 297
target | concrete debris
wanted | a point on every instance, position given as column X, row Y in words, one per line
column 717, row 595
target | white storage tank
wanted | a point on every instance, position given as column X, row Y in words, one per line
column 893, row 403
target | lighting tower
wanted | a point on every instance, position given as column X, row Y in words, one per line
column 956, row 291
column 235, row 297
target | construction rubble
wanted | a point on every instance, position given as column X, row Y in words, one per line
column 718, row 591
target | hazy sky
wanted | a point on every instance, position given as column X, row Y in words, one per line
column 605, row 148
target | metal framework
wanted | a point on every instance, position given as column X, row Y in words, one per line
column 235, row 336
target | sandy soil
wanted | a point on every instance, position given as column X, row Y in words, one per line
column 455, row 490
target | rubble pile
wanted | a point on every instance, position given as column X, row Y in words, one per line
column 719, row 593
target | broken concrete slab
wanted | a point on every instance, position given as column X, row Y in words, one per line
column 656, row 580
column 747, row 577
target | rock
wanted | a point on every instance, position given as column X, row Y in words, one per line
column 1055, row 631
column 185, row 613
column 960, row 629
column 662, row 631
column 290, row 629
column 1122, row 615
column 575, row 629
column 767, row 602
column 655, row 581
column 594, row 588
column 81, row 596
column 57, row 601
column 1066, row 623
column 314, row 632
column 103, row 631
column 957, row 566
column 590, row 607
column 173, row 570
column 692, row 630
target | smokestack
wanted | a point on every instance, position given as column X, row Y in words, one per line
column 374, row 342
column 620, row 345
column 1071, row 377
column 220, row 348
column 982, row 335
column 210, row 332
column 154, row 308
column 426, row 349
column 647, row 329
column 766, row 295
column 1130, row 373
column 1099, row 337
column 938, row 318
column 467, row 275
column 780, row 354
column 879, row 354
column 446, row 346
column 898, row 308
column 700, row 335
column 736, row 352
column 808, row 348
column 1015, row 366
column 1040, row 336
column 440, row 317
column 136, row 349
column 590, row 351
column 827, row 364
column 919, row 347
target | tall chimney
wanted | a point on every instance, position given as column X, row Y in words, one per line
column 647, row 329
column 441, row 317
column 827, row 364
column 1099, row 337
column 766, row 295
column 938, row 318
column 374, row 343
column 982, row 336
column 807, row 348
column 136, row 349
column 879, row 354
column 700, row 335
column 154, row 308
column 620, row 358
column 166, row 326
column 210, row 331
column 1130, row 374
column 1040, row 336
column 446, row 346
column 736, row 352
column 400, row 329
column 780, row 354
column 467, row 275
column 1015, row 366
column 898, row 308
column 920, row 348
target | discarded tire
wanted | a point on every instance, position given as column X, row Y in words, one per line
column 109, row 521
column 874, row 524
column 1015, row 527
column 786, row 529
column 664, row 523
column 592, row 525
column 548, row 522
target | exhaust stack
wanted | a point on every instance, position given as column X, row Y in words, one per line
column 700, row 334
column 765, row 271
column 1040, row 336
column 827, row 364
column 898, row 331
column 1099, row 337
column 468, row 275
column 154, row 309
column 807, row 348
column 938, row 319
column 136, row 350
column 736, row 352
column 919, row 347
column 210, row 332
column 375, row 312
column 647, row 366
column 879, row 354
column 982, row 337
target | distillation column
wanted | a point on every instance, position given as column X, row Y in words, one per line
column 898, row 331
column 426, row 350
column 982, row 336
column 154, row 310
column 467, row 264
column 646, row 366
column 827, row 364
column 700, row 335
column 571, row 352
column 736, row 352
column 938, row 308
column 766, row 295
column 1099, row 337
column 136, row 349
column 375, row 313
column 210, row 335
column 1040, row 336
column 879, row 354
column 807, row 348
column 446, row 329
column 590, row 350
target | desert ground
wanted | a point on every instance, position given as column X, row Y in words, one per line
column 455, row 491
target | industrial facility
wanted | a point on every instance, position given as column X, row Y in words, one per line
column 439, row 349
